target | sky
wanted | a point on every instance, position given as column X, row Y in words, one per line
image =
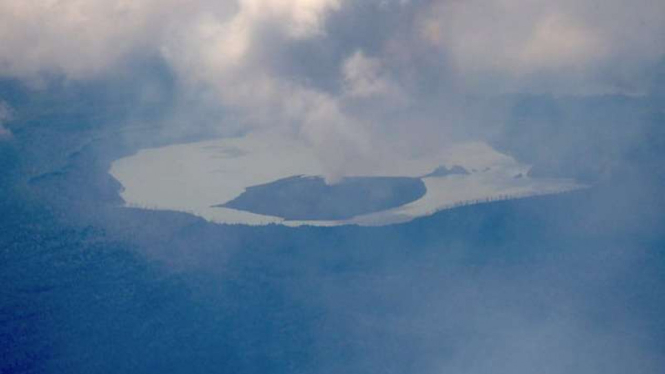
column 355, row 79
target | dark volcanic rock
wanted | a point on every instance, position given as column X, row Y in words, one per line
column 442, row 171
column 310, row 198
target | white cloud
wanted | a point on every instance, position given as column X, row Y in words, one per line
column 558, row 42
column 233, row 53
column 77, row 38
column 365, row 77
column 225, row 57
column 578, row 42
column 302, row 18
column 570, row 42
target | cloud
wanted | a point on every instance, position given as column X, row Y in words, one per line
column 357, row 79
column 364, row 77
column 503, row 40
column 75, row 38
column 562, row 47
column 230, row 58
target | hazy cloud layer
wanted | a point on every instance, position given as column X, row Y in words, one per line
column 564, row 46
column 356, row 79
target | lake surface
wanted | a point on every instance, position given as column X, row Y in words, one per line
column 218, row 179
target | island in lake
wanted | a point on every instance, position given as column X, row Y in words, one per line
column 311, row 198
